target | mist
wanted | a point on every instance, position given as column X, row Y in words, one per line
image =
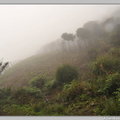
column 25, row 29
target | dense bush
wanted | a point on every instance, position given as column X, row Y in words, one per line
column 97, row 86
column 66, row 74
column 106, row 65
column 38, row 82
column 112, row 83
column 27, row 95
column 51, row 84
column 111, row 107
column 53, row 109
column 5, row 93
column 117, row 93
column 15, row 109
column 71, row 91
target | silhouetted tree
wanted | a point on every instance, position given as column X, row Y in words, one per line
column 68, row 36
column 83, row 34
column 66, row 45
column 96, row 30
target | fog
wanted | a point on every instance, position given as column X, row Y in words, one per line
column 25, row 29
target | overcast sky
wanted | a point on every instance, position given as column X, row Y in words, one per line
column 24, row 29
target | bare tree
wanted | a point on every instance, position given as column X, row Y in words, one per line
column 3, row 66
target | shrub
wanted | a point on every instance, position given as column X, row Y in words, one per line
column 51, row 84
column 38, row 82
column 117, row 93
column 71, row 91
column 105, row 65
column 97, row 86
column 66, row 74
column 39, row 106
column 53, row 109
column 4, row 93
column 5, row 97
column 111, row 107
column 18, row 110
column 112, row 83
column 27, row 95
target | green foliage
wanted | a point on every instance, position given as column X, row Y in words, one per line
column 39, row 106
column 66, row 74
column 18, row 110
column 117, row 93
column 105, row 65
column 97, row 85
column 71, row 91
column 112, row 83
column 106, row 85
column 50, row 84
column 84, row 97
column 4, row 93
column 27, row 95
column 53, row 109
column 111, row 107
column 38, row 82
column 5, row 97
column 43, row 108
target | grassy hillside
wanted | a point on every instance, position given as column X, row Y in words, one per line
column 78, row 76
column 21, row 73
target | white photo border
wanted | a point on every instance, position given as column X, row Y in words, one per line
column 59, row 1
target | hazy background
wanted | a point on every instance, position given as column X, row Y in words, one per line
column 24, row 29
